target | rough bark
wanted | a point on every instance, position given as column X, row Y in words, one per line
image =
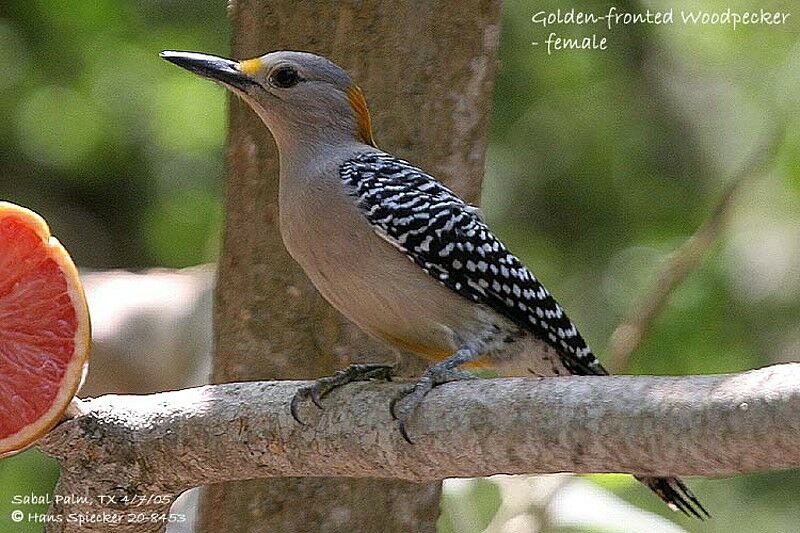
column 164, row 443
column 427, row 70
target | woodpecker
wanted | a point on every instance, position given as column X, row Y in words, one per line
column 393, row 249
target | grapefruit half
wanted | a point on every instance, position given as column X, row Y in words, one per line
column 44, row 329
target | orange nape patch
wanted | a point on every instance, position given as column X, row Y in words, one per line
column 363, row 121
column 251, row 67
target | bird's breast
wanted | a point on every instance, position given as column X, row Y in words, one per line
column 370, row 281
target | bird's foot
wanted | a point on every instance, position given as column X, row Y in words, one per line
column 403, row 405
column 323, row 386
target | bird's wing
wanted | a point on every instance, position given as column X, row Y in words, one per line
column 447, row 239
column 445, row 236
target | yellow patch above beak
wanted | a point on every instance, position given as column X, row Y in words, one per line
column 251, row 67
column 363, row 121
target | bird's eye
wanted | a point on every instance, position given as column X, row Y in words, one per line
column 284, row 77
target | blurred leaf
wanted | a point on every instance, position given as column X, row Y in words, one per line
column 60, row 127
column 481, row 498
column 181, row 230
column 189, row 114
column 29, row 474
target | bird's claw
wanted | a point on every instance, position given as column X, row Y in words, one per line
column 404, row 432
column 315, row 394
column 406, row 402
column 298, row 396
column 393, row 411
column 323, row 386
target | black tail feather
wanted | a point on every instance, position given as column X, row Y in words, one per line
column 677, row 495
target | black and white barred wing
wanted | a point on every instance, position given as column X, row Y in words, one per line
column 447, row 238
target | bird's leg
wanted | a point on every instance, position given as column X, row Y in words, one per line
column 403, row 404
column 323, row 386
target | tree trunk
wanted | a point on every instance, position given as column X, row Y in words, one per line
column 427, row 69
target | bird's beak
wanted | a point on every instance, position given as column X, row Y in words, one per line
column 225, row 71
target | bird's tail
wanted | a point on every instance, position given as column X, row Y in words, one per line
column 677, row 495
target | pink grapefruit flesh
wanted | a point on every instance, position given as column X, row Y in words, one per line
column 44, row 329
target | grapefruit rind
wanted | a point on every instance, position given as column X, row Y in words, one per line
column 76, row 369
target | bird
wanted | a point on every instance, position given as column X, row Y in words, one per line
column 393, row 249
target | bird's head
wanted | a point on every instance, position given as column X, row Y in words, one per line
column 291, row 91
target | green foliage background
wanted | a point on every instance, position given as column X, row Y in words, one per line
column 600, row 164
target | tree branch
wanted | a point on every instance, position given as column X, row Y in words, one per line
column 162, row 444
column 628, row 336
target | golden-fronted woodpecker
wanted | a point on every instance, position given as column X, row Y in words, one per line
column 393, row 249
